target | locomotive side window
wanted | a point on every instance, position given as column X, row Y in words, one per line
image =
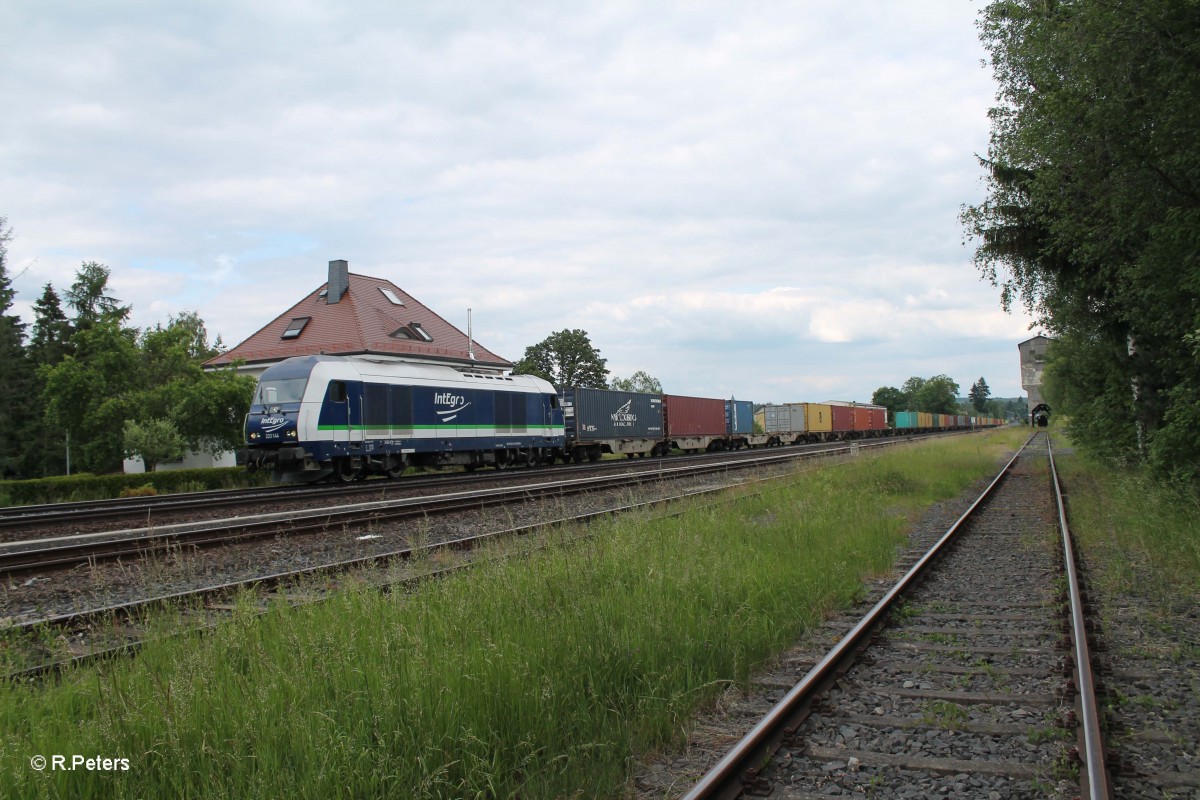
column 375, row 400
column 400, row 413
column 337, row 391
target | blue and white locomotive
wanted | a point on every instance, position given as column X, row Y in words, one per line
column 319, row 416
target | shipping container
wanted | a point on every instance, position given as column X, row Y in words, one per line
column 820, row 417
column 862, row 418
column 842, row 418
column 739, row 416
column 693, row 416
column 593, row 414
column 785, row 418
column 878, row 418
column 926, row 419
column 907, row 419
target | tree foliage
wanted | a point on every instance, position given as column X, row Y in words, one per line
column 154, row 441
column 639, row 381
column 565, row 358
column 979, row 394
column 1092, row 219
column 16, row 371
column 103, row 388
column 936, row 395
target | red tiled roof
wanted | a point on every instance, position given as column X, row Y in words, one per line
column 361, row 323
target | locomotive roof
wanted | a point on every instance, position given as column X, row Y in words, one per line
column 372, row 317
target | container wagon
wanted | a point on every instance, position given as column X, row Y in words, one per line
column 693, row 423
column 599, row 421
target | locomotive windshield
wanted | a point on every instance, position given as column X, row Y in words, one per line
column 288, row 390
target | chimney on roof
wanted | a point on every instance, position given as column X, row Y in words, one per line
column 339, row 280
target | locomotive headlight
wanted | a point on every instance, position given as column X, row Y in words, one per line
column 291, row 434
column 253, row 435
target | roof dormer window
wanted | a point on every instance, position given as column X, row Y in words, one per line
column 296, row 326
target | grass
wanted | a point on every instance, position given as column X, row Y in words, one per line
column 542, row 673
column 1146, row 535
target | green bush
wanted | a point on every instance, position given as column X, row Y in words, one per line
column 85, row 486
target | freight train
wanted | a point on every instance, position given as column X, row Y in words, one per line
column 318, row 417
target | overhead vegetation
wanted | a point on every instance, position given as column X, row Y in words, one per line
column 93, row 386
column 1092, row 219
column 565, row 358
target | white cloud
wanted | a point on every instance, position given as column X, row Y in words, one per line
column 709, row 189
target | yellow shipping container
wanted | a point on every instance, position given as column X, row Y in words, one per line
column 925, row 419
column 820, row 417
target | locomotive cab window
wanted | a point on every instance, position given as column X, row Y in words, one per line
column 337, row 391
column 290, row 390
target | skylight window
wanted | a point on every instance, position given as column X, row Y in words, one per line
column 424, row 334
column 391, row 296
column 297, row 325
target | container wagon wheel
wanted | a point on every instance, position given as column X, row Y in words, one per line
column 593, row 453
column 344, row 469
column 577, row 455
column 395, row 466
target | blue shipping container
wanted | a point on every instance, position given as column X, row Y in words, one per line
column 739, row 416
column 907, row 419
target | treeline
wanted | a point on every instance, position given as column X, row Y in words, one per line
column 1092, row 220
column 88, row 384
column 939, row 395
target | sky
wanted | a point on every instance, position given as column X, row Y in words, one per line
column 750, row 199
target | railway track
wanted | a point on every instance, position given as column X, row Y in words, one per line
column 20, row 522
column 970, row 677
column 21, row 558
column 119, row 630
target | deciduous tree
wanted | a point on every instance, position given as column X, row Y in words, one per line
column 565, row 358
column 639, row 381
column 1092, row 219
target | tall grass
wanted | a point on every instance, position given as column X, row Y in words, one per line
column 540, row 674
column 1142, row 533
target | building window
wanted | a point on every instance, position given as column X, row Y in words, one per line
column 297, row 325
column 391, row 296
column 421, row 332
column 401, row 333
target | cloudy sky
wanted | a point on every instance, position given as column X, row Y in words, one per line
column 756, row 199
